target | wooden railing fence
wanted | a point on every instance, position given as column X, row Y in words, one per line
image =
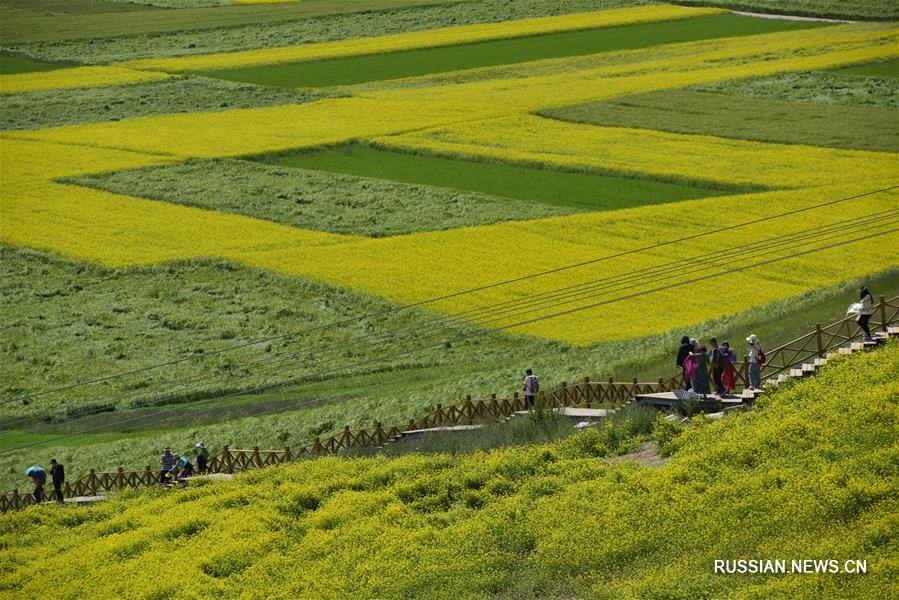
column 586, row 393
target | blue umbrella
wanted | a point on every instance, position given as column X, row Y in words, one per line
column 35, row 471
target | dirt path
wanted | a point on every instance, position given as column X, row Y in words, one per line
column 648, row 456
column 787, row 17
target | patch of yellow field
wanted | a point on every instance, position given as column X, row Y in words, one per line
column 427, row 265
column 116, row 230
column 75, row 77
column 682, row 157
column 447, row 36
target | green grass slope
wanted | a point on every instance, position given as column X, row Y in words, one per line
column 745, row 118
column 106, row 321
column 51, row 108
column 809, row 474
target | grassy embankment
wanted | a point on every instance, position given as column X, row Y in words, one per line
column 810, row 473
column 707, row 113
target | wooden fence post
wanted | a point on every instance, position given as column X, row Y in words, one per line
column 439, row 418
column 819, row 340
column 148, row 476
column 317, row 446
column 93, row 482
column 287, row 455
column 563, row 399
column 229, row 460
column 120, row 478
column 586, row 389
column 744, row 368
column 883, row 314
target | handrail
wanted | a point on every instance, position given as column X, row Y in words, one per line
column 586, row 393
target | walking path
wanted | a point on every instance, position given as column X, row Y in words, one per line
column 787, row 17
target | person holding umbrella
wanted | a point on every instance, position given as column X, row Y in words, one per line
column 38, row 478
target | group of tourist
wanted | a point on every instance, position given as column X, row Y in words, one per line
column 175, row 468
column 702, row 366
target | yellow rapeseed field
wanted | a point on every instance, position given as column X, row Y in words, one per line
column 75, row 77
column 419, row 266
column 446, row 36
column 695, row 158
column 482, row 113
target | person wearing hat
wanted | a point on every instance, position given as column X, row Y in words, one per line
column 202, row 458
column 756, row 358
column 167, row 462
column 58, row 474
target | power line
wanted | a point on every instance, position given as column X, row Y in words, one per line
column 577, row 292
column 500, row 328
column 445, row 297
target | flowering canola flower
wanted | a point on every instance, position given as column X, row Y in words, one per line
column 75, row 77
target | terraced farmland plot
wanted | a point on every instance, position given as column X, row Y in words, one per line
column 704, row 113
column 580, row 190
column 412, row 63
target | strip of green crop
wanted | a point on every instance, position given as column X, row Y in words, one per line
column 885, row 68
column 51, row 108
column 745, row 118
column 412, row 63
column 819, row 87
column 55, row 8
column 581, row 190
column 150, row 20
column 10, row 64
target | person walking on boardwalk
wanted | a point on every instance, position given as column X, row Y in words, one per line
column 701, row 372
column 756, row 360
column 38, row 478
column 167, row 462
column 58, row 475
column 202, row 458
column 717, row 363
column 865, row 310
column 531, row 387
column 686, row 348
